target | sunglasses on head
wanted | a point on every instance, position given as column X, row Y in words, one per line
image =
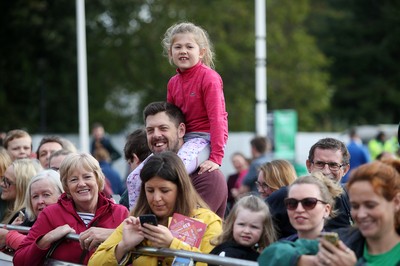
column 307, row 203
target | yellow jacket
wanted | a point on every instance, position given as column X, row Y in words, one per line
column 105, row 253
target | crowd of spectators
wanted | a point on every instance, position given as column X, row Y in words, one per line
column 262, row 212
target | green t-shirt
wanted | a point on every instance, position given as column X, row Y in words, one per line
column 390, row 258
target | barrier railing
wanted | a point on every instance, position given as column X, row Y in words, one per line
column 148, row 251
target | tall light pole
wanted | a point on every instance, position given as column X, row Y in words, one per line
column 261, row 67
column 82, row 76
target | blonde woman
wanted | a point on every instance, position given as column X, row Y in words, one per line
column 5, row 161
column 274, row 175
column 14, row 183
column 310, row 203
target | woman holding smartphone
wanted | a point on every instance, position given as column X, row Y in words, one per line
column 166, row 189
column 374, row 191
column 310, row 203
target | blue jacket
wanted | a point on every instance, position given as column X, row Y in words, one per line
column 113, row 176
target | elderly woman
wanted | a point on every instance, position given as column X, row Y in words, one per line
column 14, row 183
column 82, row 209
column 166, row 189
column 43, row 190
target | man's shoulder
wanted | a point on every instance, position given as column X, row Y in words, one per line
column 215, row 173
column 264, row 158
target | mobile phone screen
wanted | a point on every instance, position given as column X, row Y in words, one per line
column 148, row 218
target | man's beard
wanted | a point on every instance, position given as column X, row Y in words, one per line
column 171, row 146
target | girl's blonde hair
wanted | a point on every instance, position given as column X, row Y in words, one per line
column 254, row 204
column 278, row 173
column 24, row 170
column 328, row 189
column 200, row 35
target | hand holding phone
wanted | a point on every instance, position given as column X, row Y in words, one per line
column 148, row 218
column 332, row 237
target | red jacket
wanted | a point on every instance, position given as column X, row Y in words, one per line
column 108, row 215
column 198, row 92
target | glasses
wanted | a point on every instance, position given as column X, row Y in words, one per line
column 55, row 168
column 262, row 186
column 307, row 203
column 6, row 182
column 332, row 166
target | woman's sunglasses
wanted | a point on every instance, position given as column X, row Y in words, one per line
column 307, row 203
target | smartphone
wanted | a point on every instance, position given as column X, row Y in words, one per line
column 148, row 218
column 21, row 215
column 332, row 237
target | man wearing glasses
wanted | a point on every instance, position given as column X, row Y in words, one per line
column 330, row 157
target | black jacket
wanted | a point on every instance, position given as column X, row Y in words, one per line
column 234, row 250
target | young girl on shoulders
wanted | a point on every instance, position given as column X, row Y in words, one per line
column 247, row 230
column 197, row 90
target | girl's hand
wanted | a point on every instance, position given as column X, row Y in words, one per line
column 208, row 166
column 159, row 235
column 330, row 254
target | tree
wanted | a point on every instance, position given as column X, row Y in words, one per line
column 38, row 66
column 297, row 69
column 361, row 38
column 126, row 68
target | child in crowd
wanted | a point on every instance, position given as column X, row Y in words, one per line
column 247, row 230
column 197, row 90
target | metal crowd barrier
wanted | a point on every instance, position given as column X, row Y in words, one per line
column 6, row 260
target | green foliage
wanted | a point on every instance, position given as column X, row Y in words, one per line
column 362, row 38
column 296, row 76
column 353, row 80
column 35, row 77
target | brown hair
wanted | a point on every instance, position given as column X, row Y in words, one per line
column 15, row 134
column 330, row 144
column 48, row 139
column 168, row 166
